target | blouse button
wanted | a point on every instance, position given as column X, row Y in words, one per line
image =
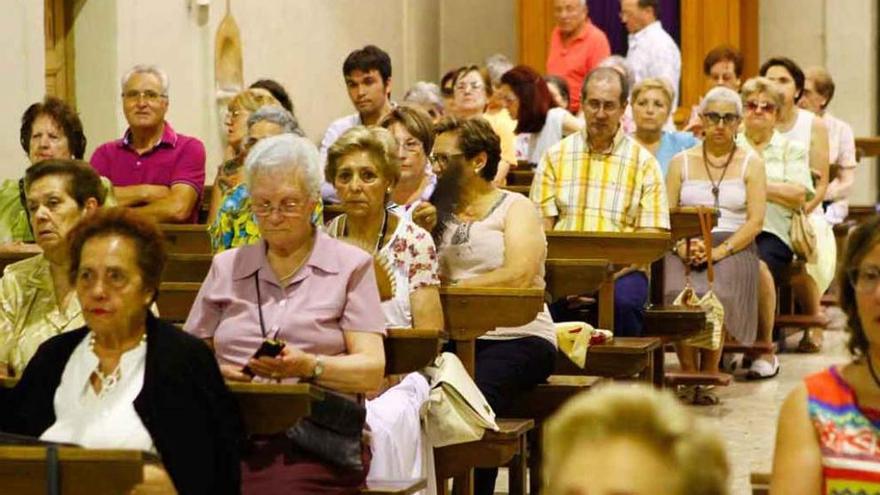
column 283, row 303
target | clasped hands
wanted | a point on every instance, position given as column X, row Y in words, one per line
column 291, row 363
column 698, row 258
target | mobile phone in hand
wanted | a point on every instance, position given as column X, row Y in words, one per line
column 270, row 348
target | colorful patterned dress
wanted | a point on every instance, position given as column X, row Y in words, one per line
column 849, row 436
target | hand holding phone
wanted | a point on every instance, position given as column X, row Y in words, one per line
column 269, row 348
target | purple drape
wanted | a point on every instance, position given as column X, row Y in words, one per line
column 606, row 15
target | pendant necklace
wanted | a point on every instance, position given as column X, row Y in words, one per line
column 716, row 187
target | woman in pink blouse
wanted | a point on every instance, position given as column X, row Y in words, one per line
column 317, row 294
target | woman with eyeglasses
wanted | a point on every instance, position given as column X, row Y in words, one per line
column 471, row 92
column 718, row 174
column 413, row 132
column 826, row 441
column 316, row 294
column 788, row 186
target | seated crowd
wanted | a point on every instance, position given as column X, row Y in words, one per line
column 419, row 203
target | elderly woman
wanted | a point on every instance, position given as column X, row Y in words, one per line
column 595, row 441
column 426, row 97
column 539, row 122
column 363, row 166
column 828, row 425
column 718, row 174
column 238, row 110
column 37, row 300
column 491, row 238
column 300, row 286
column 49, row 129
column 651, row 104
column 413, row 132
column 127, row 380
column 472, row 90
column 234, row 223
column 788, row 187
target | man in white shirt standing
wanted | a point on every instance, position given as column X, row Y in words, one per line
column 652, row 52
column 367, row 73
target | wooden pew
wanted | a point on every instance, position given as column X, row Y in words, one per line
column 522, row 175
column 24, row 470
column 867, row 147
column 760, row 483
column 619, row 248
column 10, row 258
column 271, row 408
column 186, row 239
column 179, row 268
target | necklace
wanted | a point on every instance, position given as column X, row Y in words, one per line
column 111, row 379
column 716, row 186
column 382, row 230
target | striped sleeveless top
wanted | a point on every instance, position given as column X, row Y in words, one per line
column 849, row 436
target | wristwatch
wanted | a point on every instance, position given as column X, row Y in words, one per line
column 318, row 370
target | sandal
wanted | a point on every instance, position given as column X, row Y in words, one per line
column 686, row 393
column 808, row 345
column 706, row 396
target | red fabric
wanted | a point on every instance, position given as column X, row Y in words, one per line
column 577, row 58
column 274, row 465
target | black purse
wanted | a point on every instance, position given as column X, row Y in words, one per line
column 333, row 432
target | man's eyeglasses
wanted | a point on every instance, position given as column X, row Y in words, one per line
column 715, row 118
column 594, row 106
column 149, row 96
column 441, row 160
column 764, row 106
column 864, row 280
column 290, row 208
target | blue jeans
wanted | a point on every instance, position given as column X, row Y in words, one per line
column 630, row 297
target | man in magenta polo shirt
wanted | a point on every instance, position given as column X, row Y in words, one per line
column 154, row 170
column 576, row 47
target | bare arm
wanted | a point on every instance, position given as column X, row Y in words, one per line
column 426, row 310
column 176, row 207
column 140, row 195
column 548, row 223
column 524, row 251
column 818, row 161
column 673, row 180
column 797, row 462
column 789, row 195
column 840, row 187
column 571, row 124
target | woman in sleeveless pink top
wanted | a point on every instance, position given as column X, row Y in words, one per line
column 828, row 439
column 487, row 237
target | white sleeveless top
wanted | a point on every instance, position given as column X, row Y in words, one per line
column 537, row 143
column 802, row 129
column 468, row 249
column 731, row 196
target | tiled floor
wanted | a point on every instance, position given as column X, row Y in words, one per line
column 748, row 411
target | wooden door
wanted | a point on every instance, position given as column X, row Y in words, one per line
column 58, row 25
column 536, row 23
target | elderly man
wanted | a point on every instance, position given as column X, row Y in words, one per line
column 367, row 74
column 601, row 180
column 154, row 170
column 652, row 52
column 576, row 46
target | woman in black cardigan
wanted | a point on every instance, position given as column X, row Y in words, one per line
column 128, row 380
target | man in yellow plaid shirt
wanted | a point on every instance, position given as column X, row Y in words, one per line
column 601, row 180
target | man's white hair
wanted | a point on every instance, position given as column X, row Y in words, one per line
column 287, row 152
column 148, row 69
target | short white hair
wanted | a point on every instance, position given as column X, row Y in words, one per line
column 148, row 69
column 424, row 93
column 287, row 152
column 722, row 94
column 496, row 66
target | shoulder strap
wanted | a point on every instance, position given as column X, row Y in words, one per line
column 745, row 164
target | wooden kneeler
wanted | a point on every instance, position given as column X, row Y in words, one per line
column 787, row 318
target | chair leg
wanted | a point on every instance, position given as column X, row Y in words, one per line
column 517, row 469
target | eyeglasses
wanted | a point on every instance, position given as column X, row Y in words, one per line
column 864, row 280
column 288, row 208
column 763, row 106
column 412, row 145
column 723, row 119
column 474, row 86
column 149, row 96
column 594, row 106
column 441, row 160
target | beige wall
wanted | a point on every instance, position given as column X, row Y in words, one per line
column 23, row 82
column 842, row 36
column 471, row 30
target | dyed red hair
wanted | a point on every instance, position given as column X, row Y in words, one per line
column 534, row 97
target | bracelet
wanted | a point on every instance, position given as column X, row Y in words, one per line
column 729, row 247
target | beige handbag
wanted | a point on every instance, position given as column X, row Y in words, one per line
column 711, row 336
column 456, row 410
column 803, row 236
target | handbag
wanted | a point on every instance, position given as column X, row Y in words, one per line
column 710, row 336
column 333, row 432
column 803, row 236
column 456, row 410
column 576, row 337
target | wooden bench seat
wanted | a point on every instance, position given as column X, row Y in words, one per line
column 547, row 398
column 408, row 350
column 394, row 487
column 625, row 358
column 186, row 238
column 675, row 378
column 673, row 323
column 522, row 175
column 760, row 483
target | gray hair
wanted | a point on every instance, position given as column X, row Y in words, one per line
column 278, row 116
column 496, row 66
column 287, row 152
column 424, row 93
column 619, row 63
column 721, row 94
column 148, row 69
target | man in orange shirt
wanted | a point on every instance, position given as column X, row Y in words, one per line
column 576, row 46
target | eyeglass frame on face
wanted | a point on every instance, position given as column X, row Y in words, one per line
column 463, row 86
column 441, row 160
column 149, row 96
column 411, row 145
column 762, row 106
column 715, row 118
column 288, row 208
column 594, row 105
column 854, row 277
